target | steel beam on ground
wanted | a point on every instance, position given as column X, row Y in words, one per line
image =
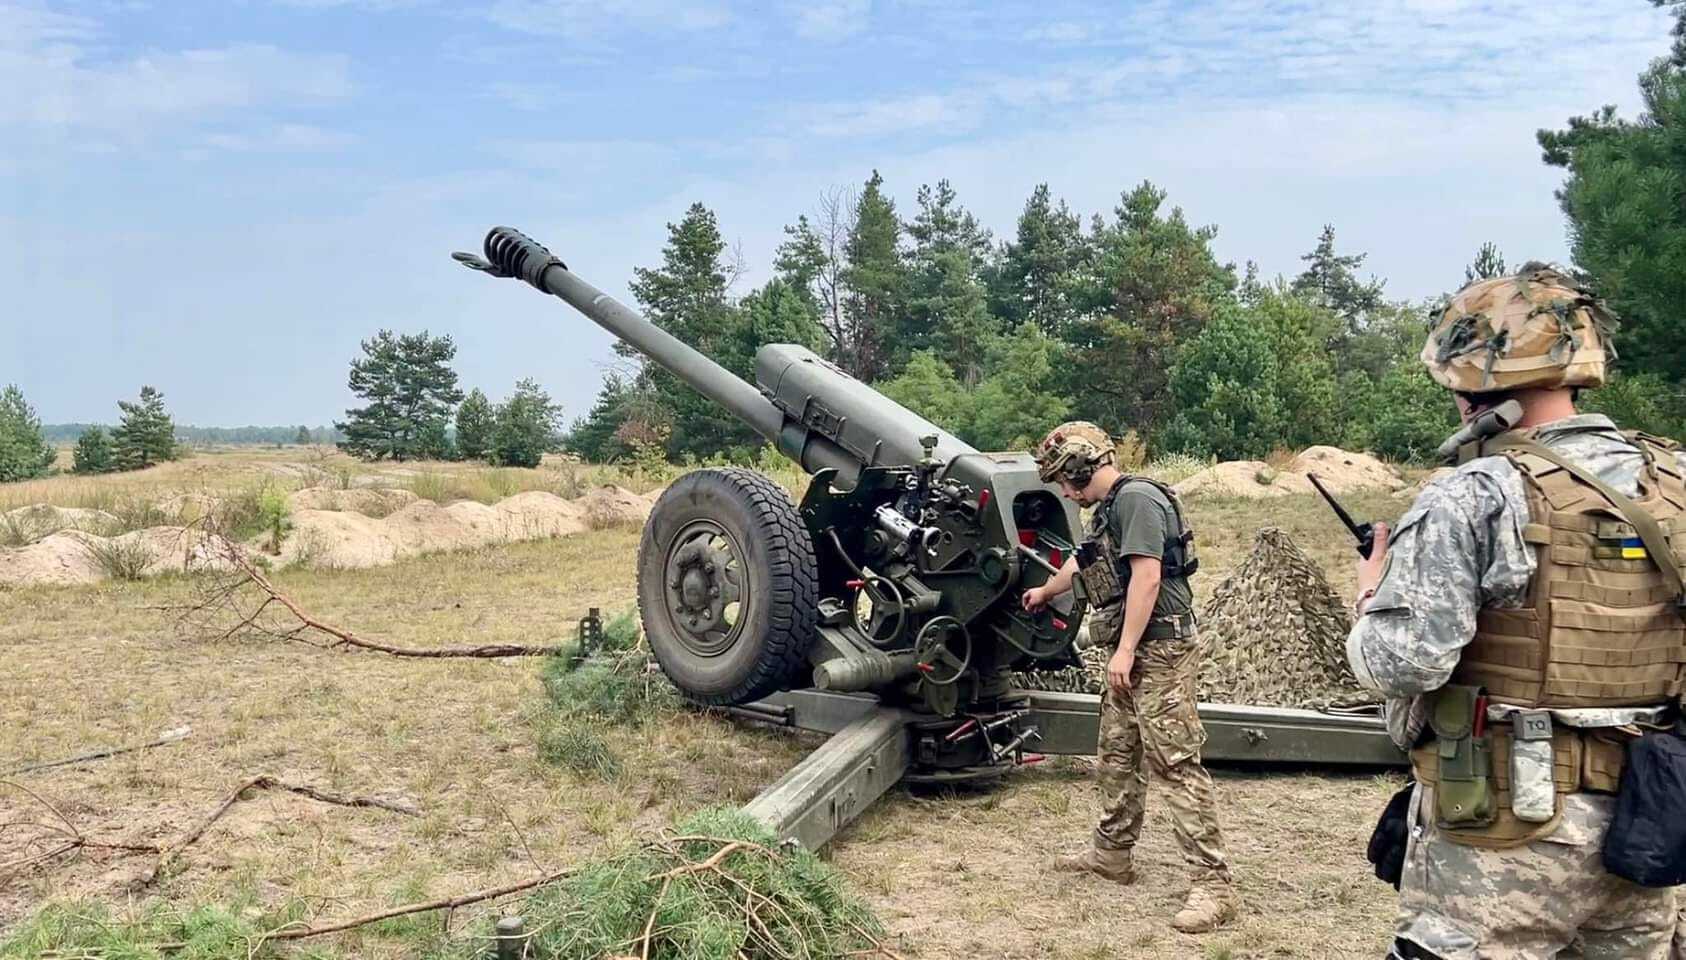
column 835, row 783
column 1069, row 723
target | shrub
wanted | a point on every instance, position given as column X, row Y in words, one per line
column 94, row 453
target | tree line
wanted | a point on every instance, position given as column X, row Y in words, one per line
column 414, row 408
column 145, row 435
column 1129, row 319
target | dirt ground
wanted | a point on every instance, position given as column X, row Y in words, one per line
column 952, row 875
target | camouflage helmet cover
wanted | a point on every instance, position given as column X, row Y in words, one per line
column 1073, row 450
column 1536, row 328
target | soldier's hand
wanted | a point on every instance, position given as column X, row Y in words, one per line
column 1118, row 669
column 1370, row 568
column 1035, row 598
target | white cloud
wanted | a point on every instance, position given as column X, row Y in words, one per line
column 61, row 83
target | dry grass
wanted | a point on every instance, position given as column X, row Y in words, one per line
column 956, row 876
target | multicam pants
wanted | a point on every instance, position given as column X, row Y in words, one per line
column 1157, row 720
column 1548, row 898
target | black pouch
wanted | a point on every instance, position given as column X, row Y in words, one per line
column 1393, row 832
column 1646, row 840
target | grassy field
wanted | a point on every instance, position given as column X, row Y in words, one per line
column 953, row 876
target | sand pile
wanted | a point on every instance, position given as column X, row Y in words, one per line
column 611, row 506
column 72, row 557
column 41, row 519
column 1276, row 632
column 327, row 528
column 372, row 501
column 1340, row 470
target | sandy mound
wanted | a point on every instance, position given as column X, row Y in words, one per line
column 346, row 539
column 60, row 558
column 74, row 557
column 188, row 507
column 370, row 501
column 537, row 514
column 329, row 528
column 1339, row 470
column 41, row 519
column 1243, row 478
column 609, row 506
column 1342, row 471
column 1277, row 632
column 337, row 539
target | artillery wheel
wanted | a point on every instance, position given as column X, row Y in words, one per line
column 727, row 586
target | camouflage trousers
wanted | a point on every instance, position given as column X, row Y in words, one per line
column 1548, row 898
column 1155, row 725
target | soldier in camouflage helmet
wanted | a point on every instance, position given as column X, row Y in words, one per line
column 1134, row 571
column 1522, row 594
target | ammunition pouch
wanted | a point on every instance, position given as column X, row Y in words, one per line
column 1099, row 573
column 1589, row 760
column 1463, row 759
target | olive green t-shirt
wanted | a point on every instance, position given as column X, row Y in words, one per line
column 1140, row 519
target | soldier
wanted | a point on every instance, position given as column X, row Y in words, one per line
column 1521, row 620
column 1137, row 585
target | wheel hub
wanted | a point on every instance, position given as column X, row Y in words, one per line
column 703, row 588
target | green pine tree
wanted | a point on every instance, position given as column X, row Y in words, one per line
column 410, row 390
column 24, row 452
column 946, row 304
column 686, row 296
column 1625, row 199
column 1153, row 286
column 1041, row 266
column 1488, row 263
column 593, row 436
column 475, row 423
column 145, row 434
column 526, row 426
column 875, row 281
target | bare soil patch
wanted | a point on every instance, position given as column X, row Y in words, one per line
column 1341, row 471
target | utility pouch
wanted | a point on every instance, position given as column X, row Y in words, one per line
column 1646, row 839
column 1100, row 576
column 1391, row 837
column 1533, row 793
column 1463, row 794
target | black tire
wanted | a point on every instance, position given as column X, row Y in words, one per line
column 775, row 584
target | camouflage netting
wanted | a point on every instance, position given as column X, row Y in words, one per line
column 1276, row 632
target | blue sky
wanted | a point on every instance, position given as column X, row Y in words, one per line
column 221, row 198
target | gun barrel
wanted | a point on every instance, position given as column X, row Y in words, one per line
column 515, row 254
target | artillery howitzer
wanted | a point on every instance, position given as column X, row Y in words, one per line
column 892, row 589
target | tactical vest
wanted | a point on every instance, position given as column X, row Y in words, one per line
column 1602, row 625
column 1177, row 558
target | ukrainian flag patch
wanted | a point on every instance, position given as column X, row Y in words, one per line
column 1633, row 548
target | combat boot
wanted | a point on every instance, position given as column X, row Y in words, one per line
column 1107, row 863
column 1209, row 906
